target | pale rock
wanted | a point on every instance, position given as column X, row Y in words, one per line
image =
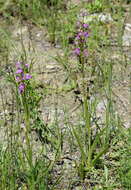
column 127, row 35
column 100, row 17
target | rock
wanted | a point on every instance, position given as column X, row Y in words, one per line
column 78, row 188
column 53, row 68
column 6, row 112
column 127, row 35
column 101, row 17
column 20, row 31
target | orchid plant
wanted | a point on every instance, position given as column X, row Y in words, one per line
column 22, row 76
column 88, row 146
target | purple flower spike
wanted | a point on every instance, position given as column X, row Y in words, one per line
column 77, row 51
column 27, row 76
column 85, row 25
column 21, row 88
column 19, row 71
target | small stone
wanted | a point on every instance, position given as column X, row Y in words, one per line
column 127, row 35
column 78, row 188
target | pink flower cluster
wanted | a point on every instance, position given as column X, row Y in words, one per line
column 22, row 75
column 81, row 39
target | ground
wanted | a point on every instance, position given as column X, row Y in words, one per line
column 59, row 106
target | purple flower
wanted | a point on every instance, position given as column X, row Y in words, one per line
column 19, row 71
column 78, row 23
column 17, row 78
column 76, row 42
column 27, row 76
column 80, row 34
column 26, row 65
column 85, row 25
column 21, row 87
column 78, row 37
column 86, row 34
column 77, row 51
column 18, row 65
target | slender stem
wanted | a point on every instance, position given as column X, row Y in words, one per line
column 27, row 131
column 88, row 128
column 86, row 115
column 108, row 111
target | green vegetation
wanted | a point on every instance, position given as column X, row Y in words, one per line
column 62, row 118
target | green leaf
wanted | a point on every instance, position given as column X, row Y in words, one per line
column 79, row 144
column 103, row 151
column 93, row 147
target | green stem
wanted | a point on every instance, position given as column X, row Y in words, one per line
column 109, row 100
column 86, row 116
column 27, row 131
column 87, row 128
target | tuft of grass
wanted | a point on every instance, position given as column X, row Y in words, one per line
column 125, row 163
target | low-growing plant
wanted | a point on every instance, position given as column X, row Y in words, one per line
column 29, row 170
column 94, row 141
column 4, row 46
column 125, row 169
column 52, row 19
column 96, row 6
